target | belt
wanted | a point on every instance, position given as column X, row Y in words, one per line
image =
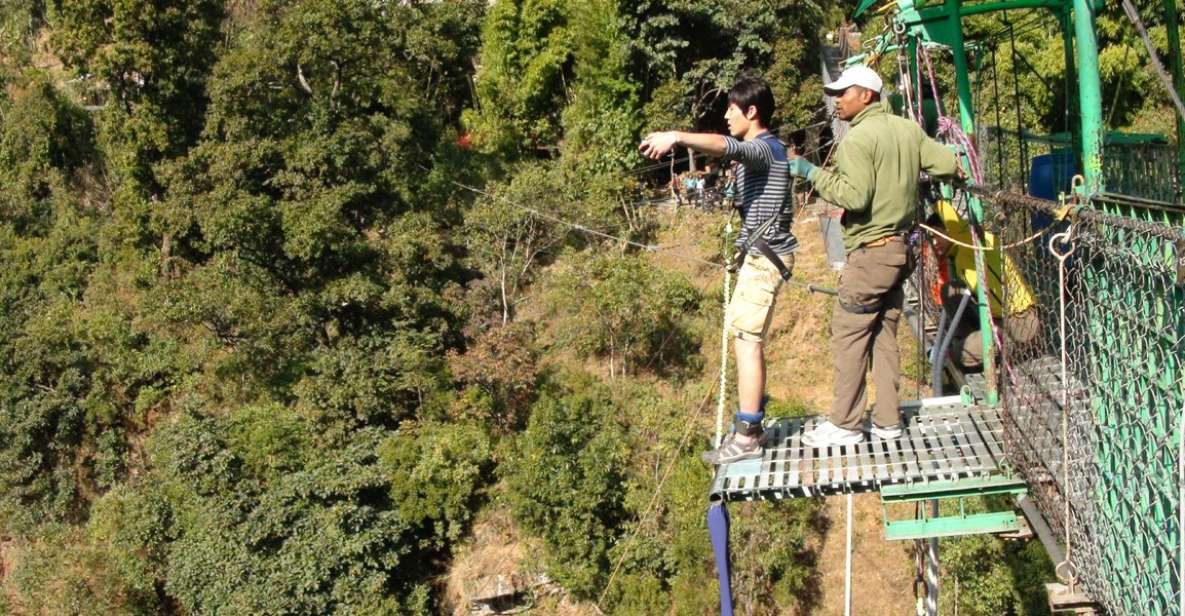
column 884, row 241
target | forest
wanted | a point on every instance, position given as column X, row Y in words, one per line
column 284, row 331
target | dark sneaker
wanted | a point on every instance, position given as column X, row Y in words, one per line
column 730, row 450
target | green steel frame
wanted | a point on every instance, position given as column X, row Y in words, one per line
column 925, row 527
column 1137, row 380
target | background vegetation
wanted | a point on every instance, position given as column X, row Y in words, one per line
column 259, row 354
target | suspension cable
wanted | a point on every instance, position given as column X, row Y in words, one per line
column 811, row 287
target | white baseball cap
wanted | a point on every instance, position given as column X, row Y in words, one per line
column 858, row 75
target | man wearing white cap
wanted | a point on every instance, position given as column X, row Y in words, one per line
column 875, row 181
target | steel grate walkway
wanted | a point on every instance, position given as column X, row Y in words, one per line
column 943, row 440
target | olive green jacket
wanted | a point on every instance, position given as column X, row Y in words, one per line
column 875, row 179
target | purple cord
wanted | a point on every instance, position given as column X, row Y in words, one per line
column 718, row 531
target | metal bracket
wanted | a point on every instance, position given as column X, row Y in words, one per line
column 952, row 526
column 956, row 525
column 1066, row 600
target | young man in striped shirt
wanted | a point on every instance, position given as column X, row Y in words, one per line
column 763, row 188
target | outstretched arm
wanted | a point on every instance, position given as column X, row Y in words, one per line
column 656, row 145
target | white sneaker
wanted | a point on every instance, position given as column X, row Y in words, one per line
column 827, row 434
column 889, row 433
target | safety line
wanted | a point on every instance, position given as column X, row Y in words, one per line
column 647, row 247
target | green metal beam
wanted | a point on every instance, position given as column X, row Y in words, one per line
column 997, row 484
column 952, row 526
column 1064, row 19
column 951, row 490
column 1171, row 19
column 1011, row 5
column 977, row 8
column 1089, row 96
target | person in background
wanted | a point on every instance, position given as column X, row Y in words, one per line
column 1009, row 297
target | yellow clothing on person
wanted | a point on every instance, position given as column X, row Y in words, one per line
column 1019, row 297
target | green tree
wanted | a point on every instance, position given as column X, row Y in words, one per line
column 153, row 56
column 692, row 52
column 251, row 513
column 500, row 371
column 564, row 481
column 54, row 421
column 626, row 310
column 602, row 120
column 506, row 242
column 524, row 65
column 45, row 143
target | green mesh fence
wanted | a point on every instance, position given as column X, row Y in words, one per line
column 1099, row 443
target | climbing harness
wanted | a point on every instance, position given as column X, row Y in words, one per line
column 756, row 240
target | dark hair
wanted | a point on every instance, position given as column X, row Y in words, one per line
column 753, row 92
column 935, row 220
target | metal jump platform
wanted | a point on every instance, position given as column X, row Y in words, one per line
column 944, row 440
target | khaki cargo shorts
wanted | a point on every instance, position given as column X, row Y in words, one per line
column 752, row 307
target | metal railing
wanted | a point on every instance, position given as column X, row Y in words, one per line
column 1144, row 167
column 1094, row 402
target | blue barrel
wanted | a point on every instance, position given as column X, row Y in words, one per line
column 1051, row 174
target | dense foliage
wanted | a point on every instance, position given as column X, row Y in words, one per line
column 260, row 353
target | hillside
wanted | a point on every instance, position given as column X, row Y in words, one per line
column 342, row 306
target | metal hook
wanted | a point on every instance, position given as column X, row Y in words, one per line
column 1070, row 578
column 1076, row 184
column 1064, row 238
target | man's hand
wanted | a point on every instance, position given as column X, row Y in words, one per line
column 656, row 145
column 800, row 167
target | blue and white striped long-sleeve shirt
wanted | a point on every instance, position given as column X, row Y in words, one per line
column 762, row 186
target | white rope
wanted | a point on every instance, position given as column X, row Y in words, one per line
column 932, row 581
column 982, row 248
column 723, row 393
column 1064, row 237
column 847, row 575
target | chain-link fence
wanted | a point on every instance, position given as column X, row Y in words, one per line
column 1092, row 338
